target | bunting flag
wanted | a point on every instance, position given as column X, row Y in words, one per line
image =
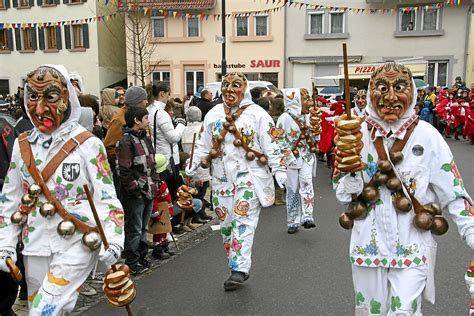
column 277, row 6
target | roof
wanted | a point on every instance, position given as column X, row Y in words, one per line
column 178, row 4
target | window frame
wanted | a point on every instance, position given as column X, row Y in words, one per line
column 158, row 18
column 330, row 13
column 26, row 39
column 422, row 24
column 418, row 29
column 198, row 26
column 436, row 71
column 267, row 19
column 237, row 26
column 195, row 85
column 5, row 36
column 400, row 22
column 51, row 36
column 79, row 29
column 2, row 4
column 22, row 5
column 160, row 72
column 322, row 13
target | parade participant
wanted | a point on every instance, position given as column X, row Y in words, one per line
column 49, row 167
column 239, row 139
column 392, row 248
column 469, row 124
column 298, row 146
column 360, row 101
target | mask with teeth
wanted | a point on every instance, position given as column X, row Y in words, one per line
column 391, row 91
column 306, row 101
column 47, row 98
column 360, row 99
column 233, row 88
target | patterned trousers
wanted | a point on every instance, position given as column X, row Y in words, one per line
column 299, row 195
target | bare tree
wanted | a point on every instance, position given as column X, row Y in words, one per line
column 139, row 49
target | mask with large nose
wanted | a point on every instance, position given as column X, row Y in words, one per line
column 233, row 88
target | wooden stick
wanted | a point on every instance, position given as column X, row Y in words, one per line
column 14, row 271
column 101, row 232
column 192, row 151
column 346, row 82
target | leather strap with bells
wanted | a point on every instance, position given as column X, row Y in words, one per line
column 303, row 128
column 68, row 147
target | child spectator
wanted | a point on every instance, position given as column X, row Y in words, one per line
column 137, row 172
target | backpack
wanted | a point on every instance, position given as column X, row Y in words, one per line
column 425, row 114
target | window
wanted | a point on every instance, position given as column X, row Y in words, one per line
column 2, row 4
column 26, row 39
column 316, row 23
column 193, row 26
column 242, row 25
column 51, row 37
column 337, row 22
column 438, row 73
column 164, row 76
column 77, row 39
column 5, row 39
column 261, row 25
column 430, row 19
column 194, row 81
column 76, row 36
column 408, row 20
column 158, row 26
column 23, row 3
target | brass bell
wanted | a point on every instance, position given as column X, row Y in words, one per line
column 299, row 144
column 385, row 166
column 433, row 209
column 219, row 138
column 28, row 200
column 314, row 150
column 205, row 163
column 237, row 142
column 370, row 194
column 18, row 218
column 232, row 129
column 393, row 184
column 358, row 210
column 66, row 228
column 92, row 240
column 440, row 225
column 345, row 221
column 424, row 220
column 396, row 157
column 47, row 209
column 263, row 160
column 226, row 125
column 34, row 190
column 296, row 152
column 403, row 204
column 380, row 178
column 250, row 156
column 228, row 118
column 213, row 153
column 234, row 116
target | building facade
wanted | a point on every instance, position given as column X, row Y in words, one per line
column 433, row 41
column 93, row 49
column 186, row 46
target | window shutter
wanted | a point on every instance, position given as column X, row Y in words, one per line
column 10, row 39
column 32, row 3
column 6, row 3
column 41, row 36
column 34, row 44
column 15, row 3
column 85, row 35
column 40, row 3
column 67, row 36
column 18, row 39
column 59, row 44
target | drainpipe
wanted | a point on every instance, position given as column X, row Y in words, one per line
column 466, row 46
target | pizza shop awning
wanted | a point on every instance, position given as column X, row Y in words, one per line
column 364, row 71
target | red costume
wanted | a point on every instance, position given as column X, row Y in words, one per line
column 469, row 123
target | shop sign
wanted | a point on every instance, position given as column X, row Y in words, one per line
column 264, row 63
column 364, row 69
column 231, row 66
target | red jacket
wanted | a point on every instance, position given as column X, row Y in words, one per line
column 469, row 123
column 163, row 196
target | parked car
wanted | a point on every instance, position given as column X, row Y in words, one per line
column 215, row 87
column 331, row 92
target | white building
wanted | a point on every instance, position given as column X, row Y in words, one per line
column 93, row 49
column 433, row 39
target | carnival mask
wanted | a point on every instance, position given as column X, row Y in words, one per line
column 361, row 99
column 47, row 98
column 391, row 91
column 306, row 101
column 233, row 88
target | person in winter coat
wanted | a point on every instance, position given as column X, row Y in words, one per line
column 139, row 186
column 109, row 108
column 164, row 134
column 57, row 259
column 241, row 180
column 293, row 125
column 392, row 249
column 204, row 103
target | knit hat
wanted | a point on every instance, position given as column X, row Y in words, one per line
column 193, row 114
column 161, row 163
column 135, row 95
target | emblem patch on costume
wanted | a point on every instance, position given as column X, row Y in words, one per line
column 417, row 150
column 221, row 212
column 242, row 208
column 71, row 171
column 247, row 135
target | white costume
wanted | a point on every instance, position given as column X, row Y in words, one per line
column 393, row 260
column 57, row 266
column 238, row 185
column 299, row 185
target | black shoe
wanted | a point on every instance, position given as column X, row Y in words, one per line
column 170, row 252
column 199, row 220
column 144, row 262
column 292, row 230
column 159, row 253
column 178, row 230
column 309, row 224
column 235, row 280
column 138, row 269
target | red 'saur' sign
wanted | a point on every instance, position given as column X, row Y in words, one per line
column 264, row 63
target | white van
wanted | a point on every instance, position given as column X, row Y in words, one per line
column 215, row 87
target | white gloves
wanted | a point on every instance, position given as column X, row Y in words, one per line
column 4, row 254
column 280, row 177
column 111, row 255
column 470, row 240
column 347, row 186
column 190, row 171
